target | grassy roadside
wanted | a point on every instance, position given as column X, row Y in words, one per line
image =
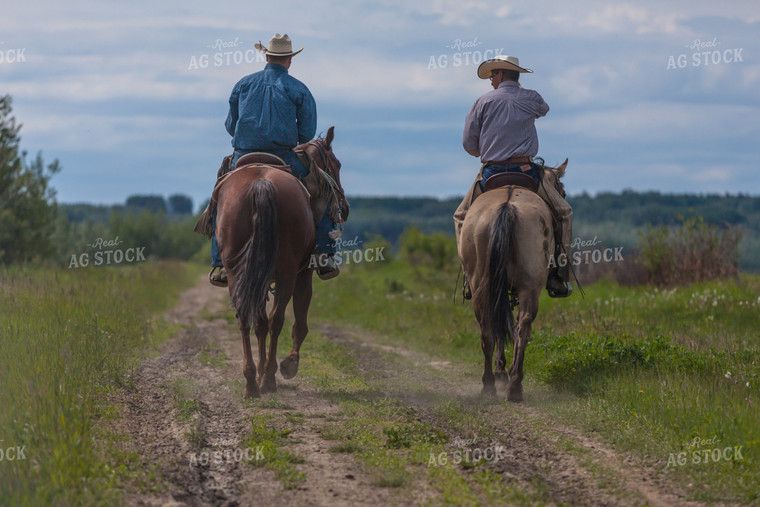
column 649, row 370
column 68, row 338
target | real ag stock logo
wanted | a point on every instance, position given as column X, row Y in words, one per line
column 225, row 53
column 583, row 252
column 11, row 55
column 466, row 451
column 705, row 53
column 105, row 254
column 349, row 252
column 703, row 451
column 12, row 452
column 465, row 52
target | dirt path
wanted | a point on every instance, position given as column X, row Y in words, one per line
column 187, row 401
column 162, row 439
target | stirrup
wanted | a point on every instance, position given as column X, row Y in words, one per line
column 325, row 274
column 329, row 271
column 466, row 291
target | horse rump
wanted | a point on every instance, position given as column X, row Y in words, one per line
column 255, row 264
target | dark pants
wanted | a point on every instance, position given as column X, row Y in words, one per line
column 491, row 170
column 324, row 243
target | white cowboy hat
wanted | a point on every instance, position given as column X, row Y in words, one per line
column 279, row 45
column 500, row 62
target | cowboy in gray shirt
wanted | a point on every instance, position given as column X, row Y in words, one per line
column 500, row 129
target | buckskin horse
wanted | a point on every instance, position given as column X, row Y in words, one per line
column 266, row 231
column 506, row 244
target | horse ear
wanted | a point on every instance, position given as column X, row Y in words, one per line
column 560, row 171
column 330, row 135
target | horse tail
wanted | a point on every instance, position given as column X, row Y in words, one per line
column 255, row 266
column 498, row 308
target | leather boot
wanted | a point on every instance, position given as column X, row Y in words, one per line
column 556, row 286
column 558, row 283
column 218, row 279
column 327, row 268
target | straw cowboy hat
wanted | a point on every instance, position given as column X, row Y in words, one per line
column 279, row 45
column 500, row 62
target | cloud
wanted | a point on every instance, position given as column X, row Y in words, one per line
column 458, row 12
column 646, row 122
column 631, row 18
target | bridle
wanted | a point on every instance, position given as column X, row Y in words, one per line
column 327, row 165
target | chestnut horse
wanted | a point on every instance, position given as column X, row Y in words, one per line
column 266, row 233
column 505, row 247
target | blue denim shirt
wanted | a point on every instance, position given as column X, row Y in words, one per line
column 271, row 109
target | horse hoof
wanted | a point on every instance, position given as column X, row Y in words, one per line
column 252, row 392
column 502, row 377
column 289, row 367
column 268, row 386
column 515, row 394
column 488, row 390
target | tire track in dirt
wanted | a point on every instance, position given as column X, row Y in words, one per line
column 162, row 439
column 532, row 456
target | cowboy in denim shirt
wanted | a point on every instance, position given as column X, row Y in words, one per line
column 273, row 112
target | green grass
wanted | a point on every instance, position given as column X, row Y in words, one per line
column 184, row 403
column 647, row 368
column 68, row 338
column 213, row 356
column 271, row 438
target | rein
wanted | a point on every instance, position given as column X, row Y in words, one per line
column 327, row 181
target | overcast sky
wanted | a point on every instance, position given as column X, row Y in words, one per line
column 131, row 97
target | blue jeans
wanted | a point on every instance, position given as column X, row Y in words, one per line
column 490, row 170
column 324, row 226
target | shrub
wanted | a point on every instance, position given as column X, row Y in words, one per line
column 437, row 250
column 693, row 252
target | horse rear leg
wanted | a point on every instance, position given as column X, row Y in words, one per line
column 249, row 368
column 301, row 302
column 261, row 328
column 282, row 296
column 500, row 373
column 525, row 317
column 487, row 345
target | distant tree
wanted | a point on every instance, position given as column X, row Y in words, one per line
column 180, row 205
column 153, row 203
column 27, row 204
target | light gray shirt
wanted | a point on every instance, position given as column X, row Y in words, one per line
column 501, row 123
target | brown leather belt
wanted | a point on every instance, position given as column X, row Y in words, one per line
column 512, row 160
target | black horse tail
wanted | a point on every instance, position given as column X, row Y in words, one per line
column 255, row 265
column 498, row 308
